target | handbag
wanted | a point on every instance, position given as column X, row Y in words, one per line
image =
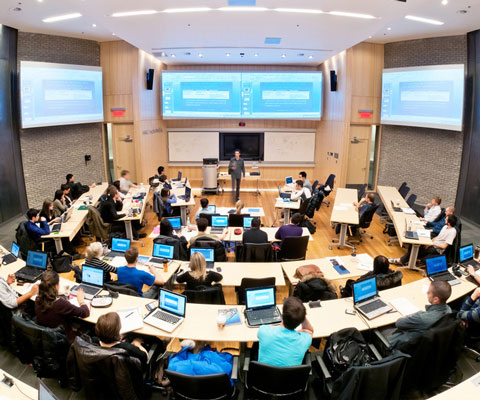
column 61, row 262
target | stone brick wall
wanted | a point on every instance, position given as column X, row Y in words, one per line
column 49, row 153
column 427, row 159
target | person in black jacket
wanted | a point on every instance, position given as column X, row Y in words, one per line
column 198, row 275
column 77, row 189
column 255, row 234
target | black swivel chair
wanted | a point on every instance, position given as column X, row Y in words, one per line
column 314, row 186
column 294, row 248
column 254, row 252
column 327, row 188
column 206, row 295
column 411, row 200
column 303, row 207
column 122, row 288
column 220, row 254
column 362, row 191
column 365, row 221
column 248, row 283
column 403, row 190
column 236, row 219
column 6, row 315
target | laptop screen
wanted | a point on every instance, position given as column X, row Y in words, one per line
column 163, row 250
column 220, row 221
column 289, row 180
column 188, row 192
column 247, row 222
column 172, row 302
column 465, row 253
column 92, row 276
column 436, row 265
column 207, row 253
column 15, row 249
column 37, row 259
column 364, row 290
column 179, row 177
column 121, row 245
column 175, row 222
column 260, row 297
column 212, row 208
column 44, row 393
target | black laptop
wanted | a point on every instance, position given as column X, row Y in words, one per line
column 179, row 177
column 437, row 270
column 261, row 308
column 12, row 256
column 465, row 257
column 36, row 266
column 187, row 195
column 409, row 234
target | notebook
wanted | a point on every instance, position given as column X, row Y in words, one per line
column 437, row 270
column 92, row 282
column 170, row 312
column 260, row 307
column 465, row 257
column 219, row 223
column 12, row 256
column 119, row 247
column 179, row 177
column 161, row 252
column 208, row 254
column 366, row 299
column 247, row 222
column 36, row 265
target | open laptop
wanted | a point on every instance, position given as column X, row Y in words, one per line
column 212, row 208
column 289, row 181
column 12, row 256
column 179, row 177
column 92, row 282
column 437, row 270
column 187, row 195
column 247, row 223
column 57, row 226
column 465, row 257
column 366, row 299
column 410, row 234
column 170, row 311
column 161, row 252
column 261, row 307
column 176, row 223
column 394, row 207
column 36, row 266
column 208, row 254
column 44, row 393
column 219, row 223
column 119, row 247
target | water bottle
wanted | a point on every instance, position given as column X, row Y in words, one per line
column 476, row 253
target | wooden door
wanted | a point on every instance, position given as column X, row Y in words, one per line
column 358, row 154
column 123, row 150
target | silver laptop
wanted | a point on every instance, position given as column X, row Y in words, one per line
column 44, row 392
column 437, row 270
column 208, row 253
column 119, row 247
column 170, row 312
column 261, row 307
column 366, row 299
column 410, row 234
column 219, row 223
column 92, row 282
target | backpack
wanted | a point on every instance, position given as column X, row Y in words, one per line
column 344, row 349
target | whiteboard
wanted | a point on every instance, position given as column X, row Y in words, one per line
column 289, row 147
column 192, row 146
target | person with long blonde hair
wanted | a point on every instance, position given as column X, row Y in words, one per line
column 198, row 275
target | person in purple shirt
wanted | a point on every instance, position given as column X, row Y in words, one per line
column 36, row 226
column 292, row 229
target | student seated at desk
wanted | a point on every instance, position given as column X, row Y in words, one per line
column 306, row 183
column 408, row 327
column 59, row 204
column 198, row 275
column 436, row 227
column 67, row 194
column 202, row 225
column 300, row 192
column 160, row 171
column 52, row 311
column 432, row 210
column 444, row 239
column 36, row 226
column 361, row 207
column 47, row 212
column 470, row 310
column 117, row 185
column 255, row 234
column 164, row 182
column 10, row 298
column 93, row 259
column 168, row 199
column 137, row 278
column 204, row 208
column 125, row 182
column 283, row 346
column 292, row 229
column 77, row 189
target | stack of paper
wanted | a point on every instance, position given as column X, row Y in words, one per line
column 404, row 306
column 131, row 319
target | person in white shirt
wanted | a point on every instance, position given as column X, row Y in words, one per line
column 439, row 244
column 125, row 183
column 432, row 210
column 306, row 183
column 300, row 192
column 204, row 209
column 9, row 297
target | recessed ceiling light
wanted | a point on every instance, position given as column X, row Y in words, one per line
column 255, row 54
column 113, row 34
column 351, row 14
column 186, row 10
column 425, row 20
column 284, row 55
column 370, row 36
column 163, row 54
column 299, row 10
column 444, row 2
column 200, row 55
column 242, row 9
column 227, row 54
column 40, row 1
column 310, row 57
column 389, row 29
column 62, row 17
column 94, row 25
column 172, row 55
column 134, row 13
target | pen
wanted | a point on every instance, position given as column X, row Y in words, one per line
column 126, row 316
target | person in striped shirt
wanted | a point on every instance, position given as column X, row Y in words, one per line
column 93, row 259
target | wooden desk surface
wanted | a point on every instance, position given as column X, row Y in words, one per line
column 389, row 194
column 18, row 391
column 293, row 205
column 468, row 389
column 233, row 273
column 344, row 211
column 128, row 203
column 77, row 219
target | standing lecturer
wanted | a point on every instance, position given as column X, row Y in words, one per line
column 236, row 168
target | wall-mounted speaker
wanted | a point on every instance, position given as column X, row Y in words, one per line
column 333, row 81
column 150, row 73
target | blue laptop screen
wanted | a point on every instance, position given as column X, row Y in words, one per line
column 212, row 208
column 465, row 253
column 247, row 222
column 172, row 302
column 436, row 264
column 220, row 220
column 289, row 180
column 92, row 276
column 364, row 289
column 120, row 244
column 179, row 177
column 37, row 259
column 162, row 250
column 15, row 249
column 263, row 297
column 207, row 253
column 175, row 222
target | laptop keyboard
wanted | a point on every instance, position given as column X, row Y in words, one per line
column 374, row 305
column 156, row 260
column 56, row 227
column 171, row 319
column 262, row 314
column 89, row 289
column 29, row 271
column 447, row 276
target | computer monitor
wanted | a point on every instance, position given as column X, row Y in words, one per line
column 92, row 276
column 289, row 180
column 163, row 251
column 206, row 252
column 364, row 289
column 37, row 259
column 219, row 221
column 121, row 245
column 176, row 222
column 247, row 222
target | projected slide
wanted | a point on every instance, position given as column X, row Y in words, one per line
column 290, row 95
column 430, row 97
column 201, row 95
column 60, row 94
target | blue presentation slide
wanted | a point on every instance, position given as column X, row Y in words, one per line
column 260, row 298
column 60, row 94
column 429, row 97
column 172, row 302
column 162, row 250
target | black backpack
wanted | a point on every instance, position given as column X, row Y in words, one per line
column 344, row 349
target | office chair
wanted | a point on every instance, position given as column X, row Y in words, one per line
column 362, row 191
column 206, row 295
column 314, row 186
column 303, row 207
column 236, row 219
column 441, row 215
column 403, row 190
column 411, row 200
column 364, row 223
column 248, row 283
column 254, row 252
column 294, row 248
column 327, row 188
column 220, row 253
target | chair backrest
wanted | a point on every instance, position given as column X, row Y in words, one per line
column 367, row 216
column 98, row 227
column 206, row 295
column 361, row 191
column 208, row 217
column 179, row 249
column 304, row 206
column 315, row 203
column 277, row 382
column 403, row 190
column 257, row 252
column 402, row 186
column 247, row 283
column 451, row 252
column 236, row 219
column 6, row 324
column 294, row 248
column 219, row 251
column 122, row 288
column 441, row 215
column 200, row 387
column 314, row 186
column 411, row 200
column 24, row 240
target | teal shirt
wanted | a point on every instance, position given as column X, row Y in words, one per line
column 282, row 347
